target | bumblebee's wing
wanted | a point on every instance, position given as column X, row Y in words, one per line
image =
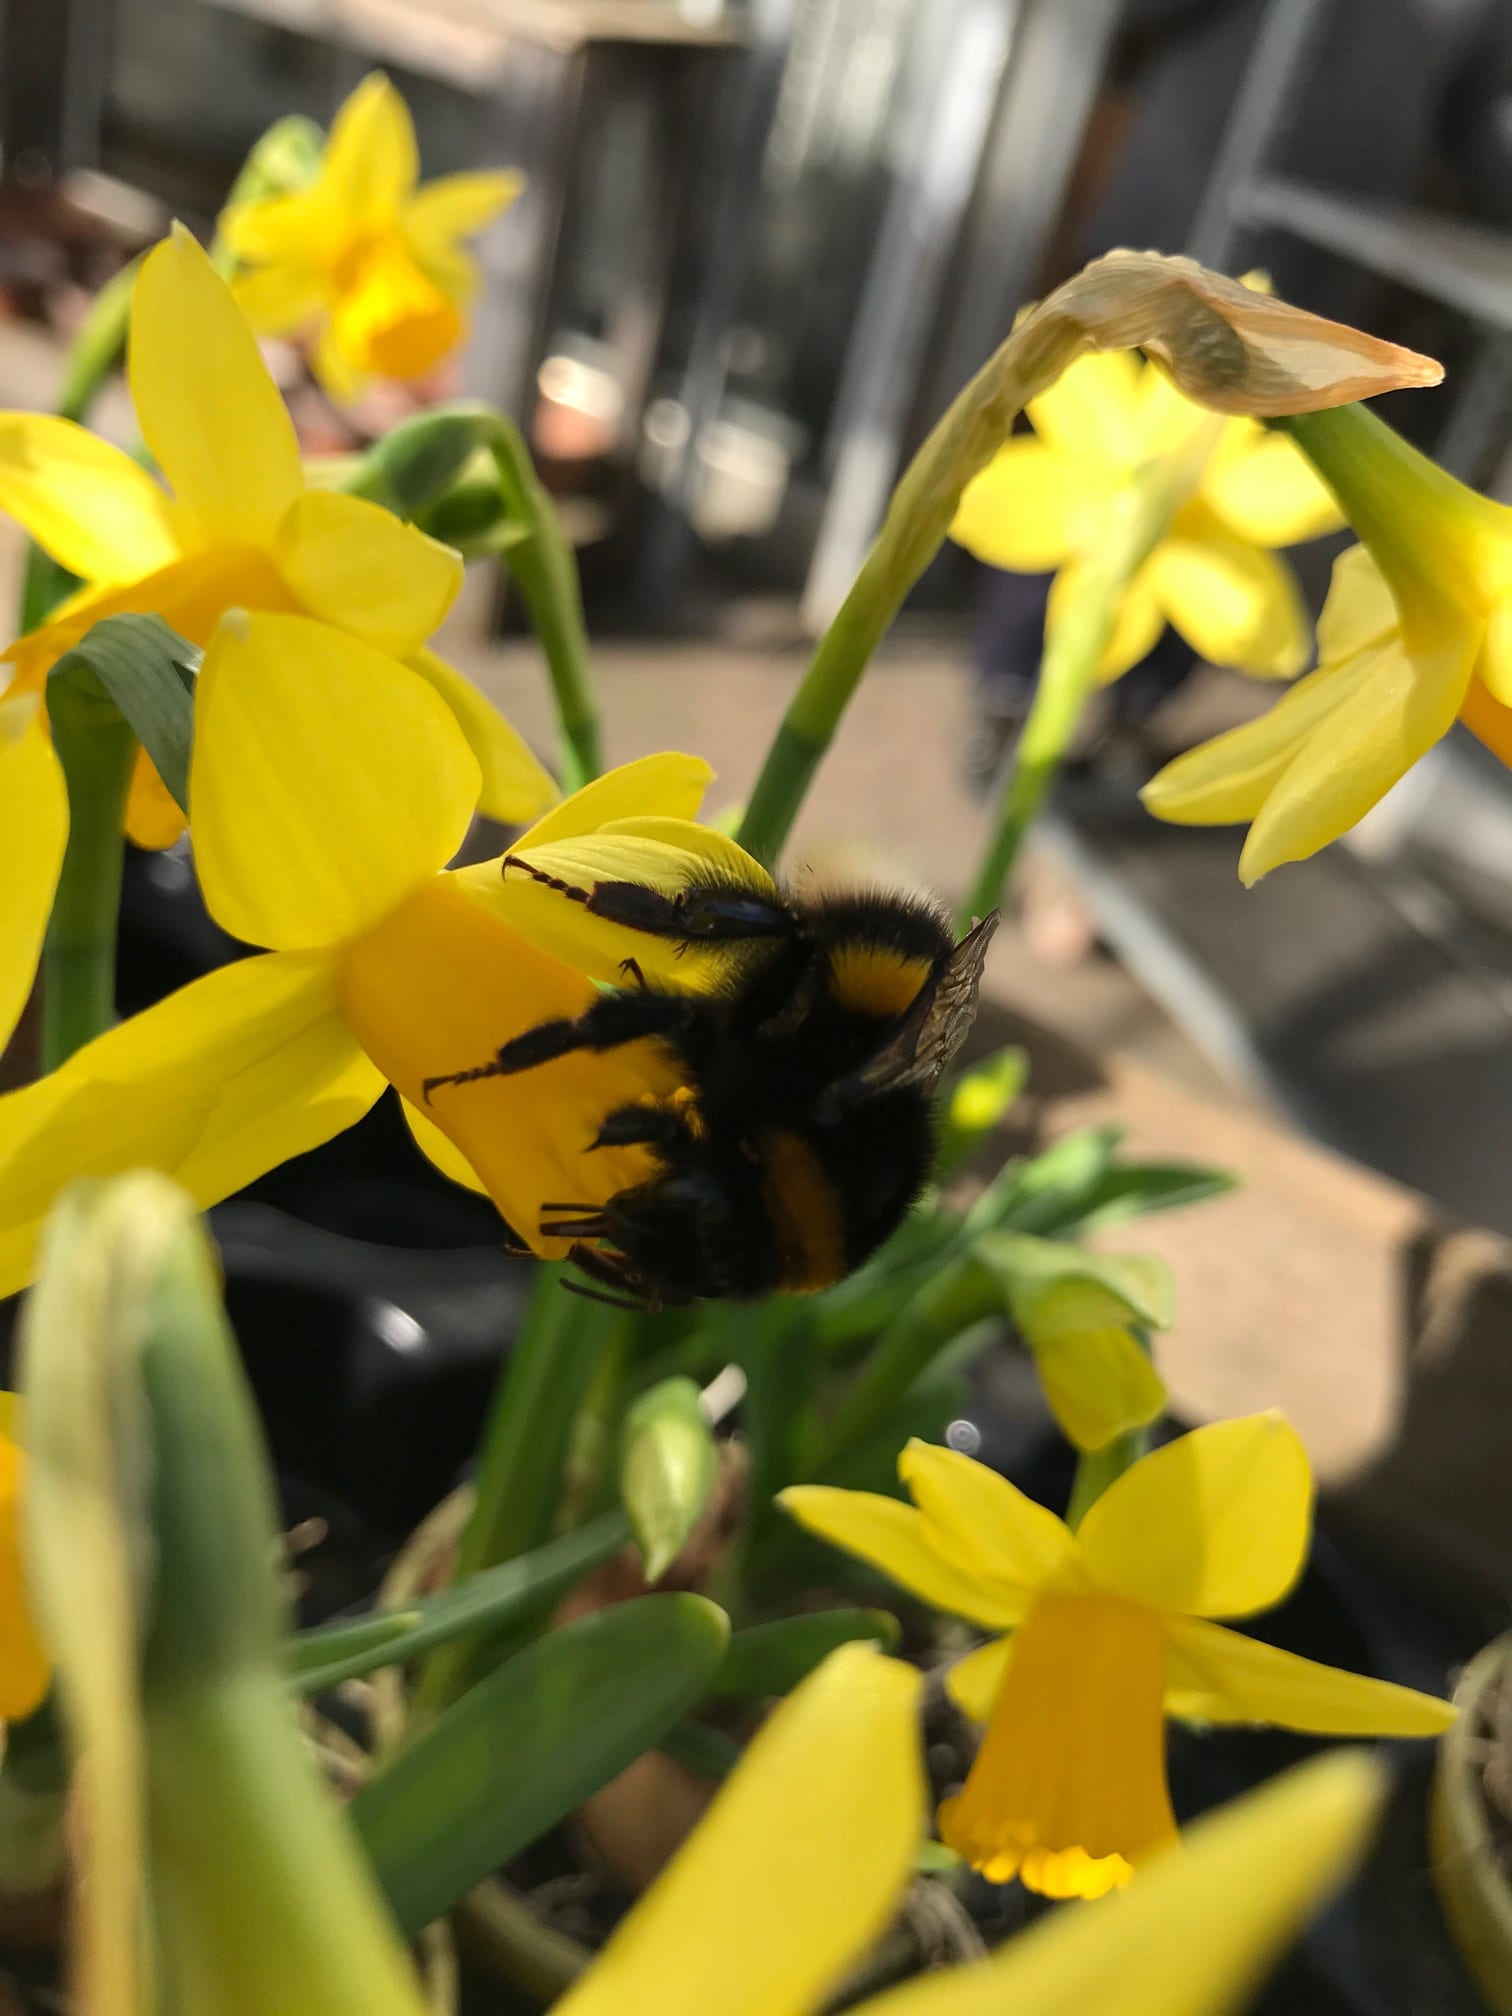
column 933, row 1029
column 682, row 901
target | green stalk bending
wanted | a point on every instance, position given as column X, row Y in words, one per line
column 97, row 751
column 543, row 565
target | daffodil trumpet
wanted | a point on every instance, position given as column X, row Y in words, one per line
column 1225, row 347
column 1109, row 1630
column 781, row 1890
column 1416, row 633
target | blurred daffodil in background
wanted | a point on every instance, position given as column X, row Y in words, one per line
column 24, row 1665
column 328, row 847
column 1416, row 634
column 806, row 1852
column 1111, row 1632
column 369, row 259
column 236, row 528
column 1235, row 493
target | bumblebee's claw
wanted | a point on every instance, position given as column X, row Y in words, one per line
column 489, row 1070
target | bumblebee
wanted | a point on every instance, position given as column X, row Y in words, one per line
column 803, row 1130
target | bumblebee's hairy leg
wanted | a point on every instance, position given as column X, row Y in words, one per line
column 702, row 914
column 653, row 1126
column 611, row 1021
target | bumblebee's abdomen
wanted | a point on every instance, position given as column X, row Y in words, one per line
column 804, row 1210
column 876, row 980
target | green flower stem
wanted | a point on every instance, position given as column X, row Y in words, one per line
column 1416, row 518
column 952, row 1301
column 543, row 565
column 523, row 1461
column 1074, row 646
column 97, row 751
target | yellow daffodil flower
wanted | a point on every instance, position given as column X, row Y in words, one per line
column 1416, row 633
column 1048, row 500
column 806, row 1852
column 1111, row 1632
column 33, row 834
column 373, row 261
column 330, row 787
column 239, row 529
column 24, row 1665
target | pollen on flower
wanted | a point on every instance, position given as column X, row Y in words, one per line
column 1068, row 1790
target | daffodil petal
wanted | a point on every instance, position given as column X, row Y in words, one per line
column 668, row 785
column 277, row 299
column 817, row 1827
column 214, row 1085
column 153, row 819
column 327, row 782
column 33, row 834
column 24, row 1665
column 974, row 1681
column 455, row 206
column 440, row 1151
column 1216, row 1675
column 437, row 987
column 1092, row 410
column 1230, row 777
column 1199, row 1925
column 980, row 1520
column 371, row 163
column 1401, row 702
column 191, row 596
column 664, row 855
column 1098, row 1383
column 1360, row 610
column 664, row 786
column 1234, row 604
column 304, row 232
column 208, row 410
column 516, row 784
column 356, row 565
column 1215, row 1523
column 1266, row 491
column 1137, row 620
column 906, row 1546
column 93, row 508
column 1032, row 506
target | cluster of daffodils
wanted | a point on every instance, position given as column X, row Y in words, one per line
column 335, row 766
column 1413, row 634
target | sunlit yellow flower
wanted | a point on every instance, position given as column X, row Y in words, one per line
column 1111, row 1633
column 239, row 529
column 806, row 1851
column 327, row 843
column 24, row 1666
column 1048, row 500
column 1416, row 632
column 374, row 261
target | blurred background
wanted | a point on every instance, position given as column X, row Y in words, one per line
column 762, row 244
